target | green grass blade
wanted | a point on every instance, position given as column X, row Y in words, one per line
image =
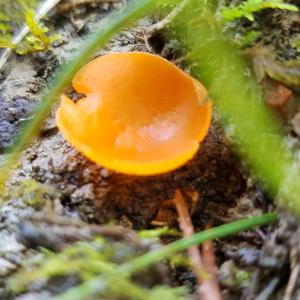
column 238, row 99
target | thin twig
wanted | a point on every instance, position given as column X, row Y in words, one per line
column 168, row 19
column 163, row 23
column 207, row 288
column 291, row 284
column 267, row 292
column 209, row 262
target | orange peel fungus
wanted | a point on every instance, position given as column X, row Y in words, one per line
column 141, row 115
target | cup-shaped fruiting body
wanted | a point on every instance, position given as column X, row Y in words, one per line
column 140, row 115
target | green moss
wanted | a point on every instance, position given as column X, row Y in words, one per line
column 18, row 13
column 38, row 40
column 33, row 193
column 248, row 38
column 247, row 9
column 85, row 260
column 6, row 41
column 232, row 276
column 296, row 43
column 158, row 232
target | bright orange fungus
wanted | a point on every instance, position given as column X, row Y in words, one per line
column 141, row 115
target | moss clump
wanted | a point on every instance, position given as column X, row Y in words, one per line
column 83, row 261
column 33, row 193
column 18, row 13
column 247, row 9
column 232, row 276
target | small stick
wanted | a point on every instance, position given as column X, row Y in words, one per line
column 267, row 292
column 209, row 262
column 207, row 288
column 163, row 23
column 168, row 19
column 291, row 284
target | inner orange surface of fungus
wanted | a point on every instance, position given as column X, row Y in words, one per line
column 141, row 115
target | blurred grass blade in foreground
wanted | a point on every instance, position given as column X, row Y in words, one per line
column 238, row 100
